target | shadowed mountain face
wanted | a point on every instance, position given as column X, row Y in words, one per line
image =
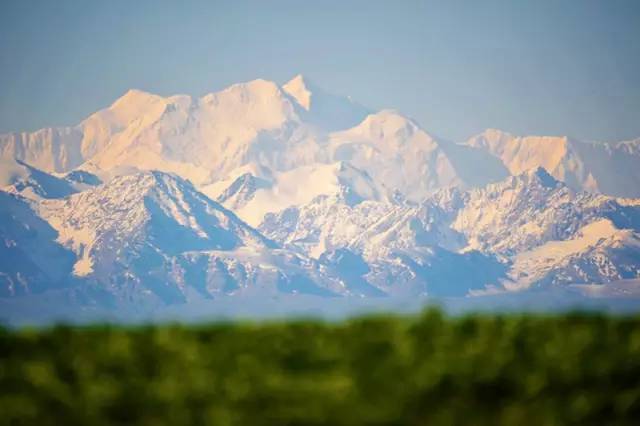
column 18, row 177
column 315, row 195
column 31, row 261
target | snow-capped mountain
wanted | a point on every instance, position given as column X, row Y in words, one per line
column 539, row 207
column 322, row 109
column 50, row 149
column 64, row 148
column 148, row 207
column 395, row 150
column 262, row 189
column 598, row 252
column 609, row 168
column 257, row 125
column 252, row 197
column 154, row 235
column 260, row 124
column 537, row 228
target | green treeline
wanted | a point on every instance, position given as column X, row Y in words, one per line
column 424, row 370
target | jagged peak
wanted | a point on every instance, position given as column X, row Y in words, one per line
column 135, row 97
column 298, row 80
column 159, row 176
column 247, row 183
column 489, row 138
column 536, row 177
column 128, row 107
column 541, row 176
column 141, row 183
column 299, row 89
column 496, row 134
column 389, row 120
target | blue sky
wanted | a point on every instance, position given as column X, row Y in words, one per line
column 457, row 67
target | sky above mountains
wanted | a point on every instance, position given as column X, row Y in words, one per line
column 458, row 67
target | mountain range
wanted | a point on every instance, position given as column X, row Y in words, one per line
column 261, row 190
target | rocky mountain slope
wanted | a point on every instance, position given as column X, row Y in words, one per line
column 532, row 226
column 153, row 236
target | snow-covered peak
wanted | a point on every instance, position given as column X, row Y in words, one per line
column 258, row 90
column 251, row 197
column 133, row 105
column 490, row 137
column 133, row 200
column 523, row 153
column 373, row 195
column 389, row 132
column 258, row 103
column 386, row 123
column 298, row 89
column 174, row 196
column 299, row 123
column 520, row 211
column 392, row 149
column 242, row 190
column 147, row 208
column 204, row 140
column 319, row 107
column 536, row 181
column 597, row 252
column 492, row 132
column 609, row 168
column 151, row 237
column 135, row 100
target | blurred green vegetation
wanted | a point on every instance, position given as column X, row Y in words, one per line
column 425, row 370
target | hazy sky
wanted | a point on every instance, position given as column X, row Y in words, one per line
column 457, row 67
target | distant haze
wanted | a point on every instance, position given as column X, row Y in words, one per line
column 457, row 67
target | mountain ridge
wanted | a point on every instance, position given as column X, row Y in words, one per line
column 262, row 190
